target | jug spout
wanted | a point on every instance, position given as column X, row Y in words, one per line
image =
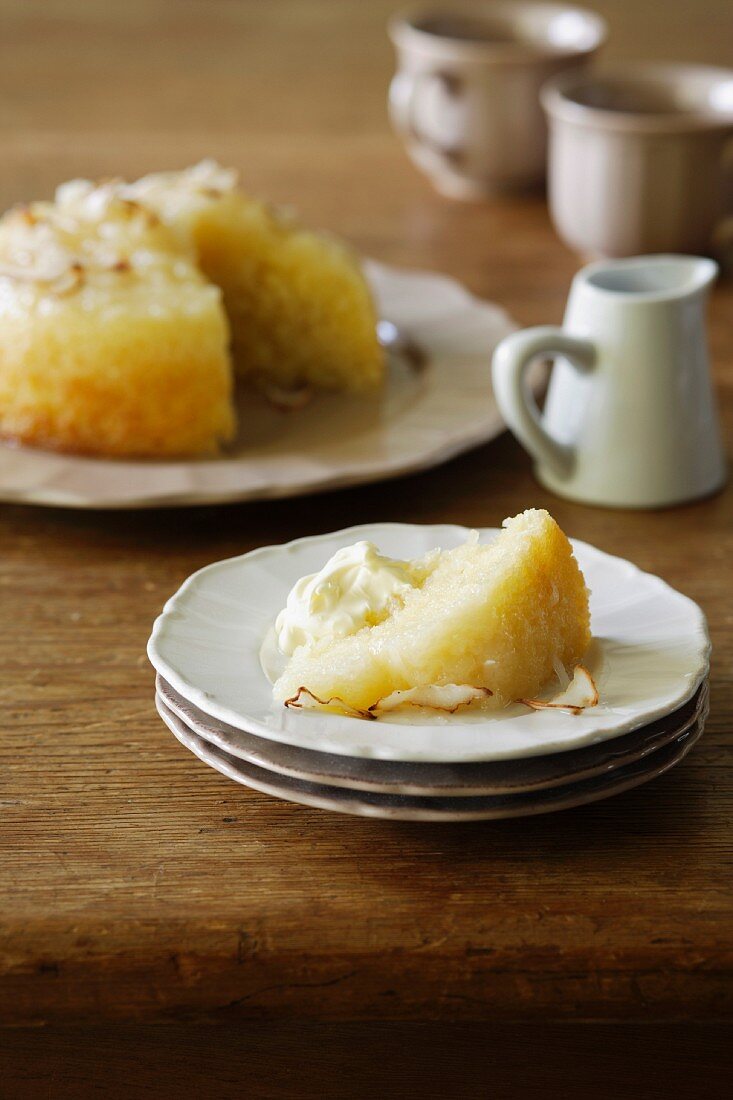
column 654, row 278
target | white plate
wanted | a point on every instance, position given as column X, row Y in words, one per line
column 650, row 654
column 421, row 419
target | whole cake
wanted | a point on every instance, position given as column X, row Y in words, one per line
column 111, row 340
column 488, row 622
column 127, row 309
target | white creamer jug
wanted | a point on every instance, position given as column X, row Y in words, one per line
column 630, row 418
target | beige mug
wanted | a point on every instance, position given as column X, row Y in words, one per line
column 465, row 97
column 640, row 159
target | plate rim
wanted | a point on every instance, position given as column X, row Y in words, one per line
column 223, row 713
column 412, row 788
column 407, row 813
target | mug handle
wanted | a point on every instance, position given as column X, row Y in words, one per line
column 723, row 231
column 404, row 91
column 515, row 401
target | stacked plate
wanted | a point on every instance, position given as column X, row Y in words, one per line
column 212, row 651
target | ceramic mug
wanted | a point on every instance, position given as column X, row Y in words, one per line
column 641, row 158
column 630, row 417
column 465, row 98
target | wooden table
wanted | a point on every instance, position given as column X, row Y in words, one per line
column 138, row 887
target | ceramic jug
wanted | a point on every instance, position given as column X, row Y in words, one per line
column 630, row 418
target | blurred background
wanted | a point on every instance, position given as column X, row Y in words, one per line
column 294, row 94
column 98, row 86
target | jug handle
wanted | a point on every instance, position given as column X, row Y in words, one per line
column 515, row 401
column 403, row 93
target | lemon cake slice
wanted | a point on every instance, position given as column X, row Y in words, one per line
column 500, row 617
column 111, row 340
column 300, row 309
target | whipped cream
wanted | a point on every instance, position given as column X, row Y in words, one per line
column 356, row 587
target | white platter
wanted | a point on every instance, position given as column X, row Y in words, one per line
column 422, row 418
column 649, row 655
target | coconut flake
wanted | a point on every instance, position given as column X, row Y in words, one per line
column 304, row 699
column 210, row 174
column 561, row 672
column 66, row 279
column 61, row 281
column 286, row 400
column 580, row 694
column 32, row 274
column 70, row 281
column 444, row 697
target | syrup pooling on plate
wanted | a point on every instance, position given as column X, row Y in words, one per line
column 474, row 626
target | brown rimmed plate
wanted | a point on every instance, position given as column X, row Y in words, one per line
column 435, row 808
column 501, row 777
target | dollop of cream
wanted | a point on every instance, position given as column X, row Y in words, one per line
column 355, row 588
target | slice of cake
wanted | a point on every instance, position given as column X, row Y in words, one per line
column 111, row 340
column 501, row 617
column 298, row 304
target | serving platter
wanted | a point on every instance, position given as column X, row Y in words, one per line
column 437, row 403
column 649, row 656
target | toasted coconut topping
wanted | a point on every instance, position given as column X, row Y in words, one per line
column 207, row 179
column 444, row 697
column 561, row 672
column 70, row 281
column 25, row 214
column 88, row 201
column 31, row 274
column 287, row 400
column 580, row 694
column 62, row 280
column 89, row 232
column 306, row 700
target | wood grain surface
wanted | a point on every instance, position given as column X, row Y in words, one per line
column 138, row 885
